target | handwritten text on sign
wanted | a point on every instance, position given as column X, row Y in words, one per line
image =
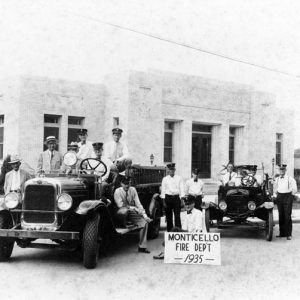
column 192, row 248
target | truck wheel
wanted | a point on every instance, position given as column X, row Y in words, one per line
column 6, row 244
column 207, row 219
column 154, row 226
column 269, row 226
column 90, row 242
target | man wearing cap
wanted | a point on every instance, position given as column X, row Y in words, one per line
column 50, row 160
column 129, row 206
column 172, row 191
column 229, row 176
column 194, row 189
column 117, row 151
column 85, row 147
column 193, row 221
column 16, row 178
column 284, row 189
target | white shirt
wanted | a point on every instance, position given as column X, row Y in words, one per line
column 227, row 177
column 286, row 184
column 16, row 181
column 116, row 151
column 194, row 221
column 194, row 188
column 85, row 150
column 172, row 186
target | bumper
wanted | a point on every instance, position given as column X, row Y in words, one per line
column 39, row 234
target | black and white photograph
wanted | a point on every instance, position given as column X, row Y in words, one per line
column 149, row 149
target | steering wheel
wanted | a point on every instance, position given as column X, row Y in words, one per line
column 93, row 164
column 248, row 180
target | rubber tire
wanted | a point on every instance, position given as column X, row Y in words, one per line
column 6, row 244
column 269, row 226
column 154, row 226
column 207, row 219
column 90, row 242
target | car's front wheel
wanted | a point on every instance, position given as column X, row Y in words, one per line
column 6, row 244
column 91, row 242
column 269, row 226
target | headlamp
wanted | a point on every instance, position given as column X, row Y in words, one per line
column 64, row 201
column 251, row 205
column 223, row 205
column 11, row 200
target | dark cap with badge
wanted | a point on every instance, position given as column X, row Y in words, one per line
column 125, row 179
column 82, row 131
column 98, row 146
column 196, row 171
column 171, row 166
column 188, row 200
column 117, row 130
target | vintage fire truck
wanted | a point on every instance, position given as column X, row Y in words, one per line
column 67, row 212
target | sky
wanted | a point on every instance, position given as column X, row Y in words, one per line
column 70, row 40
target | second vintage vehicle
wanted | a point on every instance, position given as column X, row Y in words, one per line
column 68, row 212
column 237, row 204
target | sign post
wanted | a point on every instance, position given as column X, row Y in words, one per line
column 192, row 248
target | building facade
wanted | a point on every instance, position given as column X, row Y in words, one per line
column 192, row 121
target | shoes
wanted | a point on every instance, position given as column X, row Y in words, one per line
column 159, row 256
column 289, row 238
column 143, row 250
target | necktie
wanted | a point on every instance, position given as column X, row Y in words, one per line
column 229, row 176
column 189, row 212
column 126, row 198
column 52, row 155
column 195, row 180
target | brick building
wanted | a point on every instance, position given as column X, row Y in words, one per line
column 193, row 121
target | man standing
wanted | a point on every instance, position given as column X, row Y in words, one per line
column 171, row 191
column 85, row 147
column 129, row 206
column 117, row 151
column 194, row 189
column 229, row 176
column 16, row 178
column 285, row 188
column 50, row 160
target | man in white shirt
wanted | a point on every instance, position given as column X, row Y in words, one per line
column 172, row 190
column 50, row 161
column 229, row 176
column 131, row 209
column 284, row 189
column 85, row 147
column 117, row 151
column 16, row 178
column 194, row 189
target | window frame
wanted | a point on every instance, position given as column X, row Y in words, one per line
column 168, row 128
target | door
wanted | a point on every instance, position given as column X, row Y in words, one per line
column 201, row 153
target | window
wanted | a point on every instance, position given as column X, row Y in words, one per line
column 74, row 123
column 116, row 122
column 279, row 139
column 51, row 127
column 1, row 135
column 200, row 128
column 168, row 141
column 231, row 144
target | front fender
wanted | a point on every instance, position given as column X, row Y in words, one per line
column 88, row 205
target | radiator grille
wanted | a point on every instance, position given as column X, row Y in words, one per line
column 39, row 197
column 237, row 204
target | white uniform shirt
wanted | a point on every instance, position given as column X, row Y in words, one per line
column 114, row 151
column 16, row 181
column 172, row 186
column 286, row 184
column 194, row 188
column 228, row 177
column 194, row 221
column 85, row 150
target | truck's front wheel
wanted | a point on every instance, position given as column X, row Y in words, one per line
column 90, row 242
column 6, row 244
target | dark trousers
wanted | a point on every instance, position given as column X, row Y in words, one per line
column 284, row 205
column 173, row 204
column 198, row 201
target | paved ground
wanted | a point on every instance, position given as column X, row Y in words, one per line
column 252, row 268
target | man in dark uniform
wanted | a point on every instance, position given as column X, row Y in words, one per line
column 285, row 188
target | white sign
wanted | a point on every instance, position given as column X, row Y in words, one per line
column 192, row 248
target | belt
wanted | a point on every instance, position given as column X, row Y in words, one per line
column 14, row 191
column 289, row 193
column 172, row 195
